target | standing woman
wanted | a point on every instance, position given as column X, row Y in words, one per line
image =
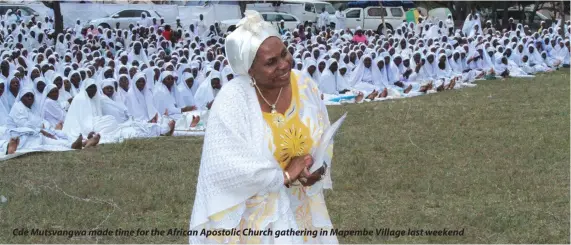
column 261, row 130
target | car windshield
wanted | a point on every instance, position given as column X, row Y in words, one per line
column 328, row 8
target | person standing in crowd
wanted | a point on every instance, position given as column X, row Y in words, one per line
column 249, row 123
column 323, row 19
column 201, row 28
column 340, row 22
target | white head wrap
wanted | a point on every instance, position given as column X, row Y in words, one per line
column 243, row 43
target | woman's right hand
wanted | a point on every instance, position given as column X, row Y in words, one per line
column 298, row 167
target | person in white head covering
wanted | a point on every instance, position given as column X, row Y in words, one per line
column 4, row 108
column 185, row 95
column 165, row 94
column 362, row 78
column 208, row 90
column 332, row 82
column 50, row 109
column 25, row 114
column 141, row 129
column 247, row 164
column 12, row 87
column 340, row 20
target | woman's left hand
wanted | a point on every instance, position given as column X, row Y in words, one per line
column 313, row 178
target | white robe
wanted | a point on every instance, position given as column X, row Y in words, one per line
column 238, row 167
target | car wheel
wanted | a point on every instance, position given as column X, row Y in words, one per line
column 105, row 25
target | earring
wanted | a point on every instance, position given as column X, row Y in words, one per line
column 252, row 81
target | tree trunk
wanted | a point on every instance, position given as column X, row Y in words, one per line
column 505, row 16
column 58, row 18
column 495, row 14
column 521, row 14
column 562, row 13
column 532, row 15
column 242, row 5
column 383, row 19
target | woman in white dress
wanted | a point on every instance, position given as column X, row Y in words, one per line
column 250, row 177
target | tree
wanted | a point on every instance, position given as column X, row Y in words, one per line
column 243, row 5
column 58, row 18
column 505, row 16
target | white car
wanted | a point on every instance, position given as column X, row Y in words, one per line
column 305, row 10
column 124, row 18
column 369, row 18
column 290, row 21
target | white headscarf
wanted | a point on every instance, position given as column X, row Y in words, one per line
column 140, row 103
column 243, row 43
column 4, row 109
column 165, row 99
column 51, row 107
column 111, row 107
column 185, row 95
column 80, row 118
column 205, row 93
column 332, row 83
column 23, row 116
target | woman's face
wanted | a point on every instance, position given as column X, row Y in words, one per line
column 311, row 69
column 380, row 64
column 91, row 90
column 321, row 66
column 123, row 70
column 15, row 85
column 109, row 91
column 215, row 82
column 229, row 77
column 75, row 79
column 189, row 82
column 168, row 81
column 54, row 94
column 132, row 72
column 430, row 59
column 398, row 61
column 28, row 99
column 333, row 67
column 367, row 62
column 272, row 64
column 35, row 74
column 108, row 73
column 40, row 86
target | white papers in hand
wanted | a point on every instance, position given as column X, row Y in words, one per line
column 320, row 151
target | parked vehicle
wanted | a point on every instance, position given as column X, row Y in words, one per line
column 369, row 18
column 392, row 3
column 290, row 21
column 516, row 15
column 124, row 18
column 304, row 10
column 27, row 12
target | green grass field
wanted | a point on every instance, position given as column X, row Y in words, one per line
column 492, row 160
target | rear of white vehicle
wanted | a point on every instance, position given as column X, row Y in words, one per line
column 290, row 21
column 369, row 18
column 304, row 10
column 124, row 18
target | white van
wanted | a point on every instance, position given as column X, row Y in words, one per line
column 304, row 10
column 369, row 18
